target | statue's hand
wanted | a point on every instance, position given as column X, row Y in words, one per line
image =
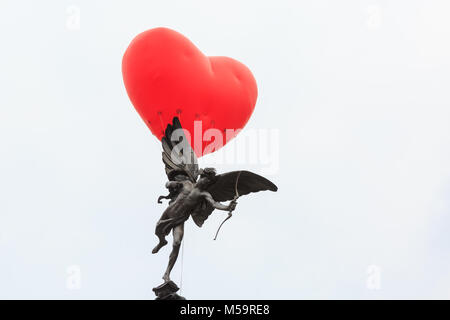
column 232, row 205
column 163, row 197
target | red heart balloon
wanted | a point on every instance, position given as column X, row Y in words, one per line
column 166, row 75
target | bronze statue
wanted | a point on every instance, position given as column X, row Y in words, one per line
column 195, row 192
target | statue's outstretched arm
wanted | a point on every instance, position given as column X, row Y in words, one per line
column 163, row 197
column 218, row 205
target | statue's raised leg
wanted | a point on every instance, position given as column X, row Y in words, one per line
column 162, row 243
column 160, row 232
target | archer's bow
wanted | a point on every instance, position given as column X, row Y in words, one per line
column 236, row 196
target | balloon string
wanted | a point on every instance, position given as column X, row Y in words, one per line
column 182, row 263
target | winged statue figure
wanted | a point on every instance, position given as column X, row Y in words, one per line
column 195, row 192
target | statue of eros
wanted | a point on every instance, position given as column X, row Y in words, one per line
column 196, row 192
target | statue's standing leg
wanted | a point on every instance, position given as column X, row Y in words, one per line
column 178, row 233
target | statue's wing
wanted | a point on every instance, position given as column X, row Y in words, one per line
column 177, row 152
column 244, row 181
column 224, row 189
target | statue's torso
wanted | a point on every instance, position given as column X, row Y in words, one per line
column 187, row 199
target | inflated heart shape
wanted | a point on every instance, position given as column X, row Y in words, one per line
column 166, row 75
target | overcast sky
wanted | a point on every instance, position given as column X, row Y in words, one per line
column 356, row 91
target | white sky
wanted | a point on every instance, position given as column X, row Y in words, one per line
column 357, row 89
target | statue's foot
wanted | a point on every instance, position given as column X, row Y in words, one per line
column 159, row 246
column 166, row 278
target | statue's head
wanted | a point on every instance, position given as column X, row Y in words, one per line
column 207, row 176
column 207, row 172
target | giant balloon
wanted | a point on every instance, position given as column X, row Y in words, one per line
column 166, row 75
